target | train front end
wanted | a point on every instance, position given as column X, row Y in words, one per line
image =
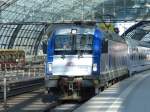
column 73, row 62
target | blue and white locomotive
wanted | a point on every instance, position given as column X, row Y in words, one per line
column 81, row 59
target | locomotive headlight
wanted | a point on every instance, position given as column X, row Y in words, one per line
column 94, row 67
column 49, row 67
column 73, row 31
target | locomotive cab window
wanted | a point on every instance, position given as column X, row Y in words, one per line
column 73, row 44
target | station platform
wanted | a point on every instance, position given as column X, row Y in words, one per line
column 129, row 95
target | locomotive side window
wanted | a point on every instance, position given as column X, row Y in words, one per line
column 105, row 46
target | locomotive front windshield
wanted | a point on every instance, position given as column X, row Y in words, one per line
column 73, row 44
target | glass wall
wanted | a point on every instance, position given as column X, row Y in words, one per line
column 19, row 36
column 59, row 10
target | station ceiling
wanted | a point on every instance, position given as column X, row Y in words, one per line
column 139, row 32
column 24, row 22
column 59, row 10
column 22, row 36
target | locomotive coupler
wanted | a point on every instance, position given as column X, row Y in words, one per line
column 71, row 86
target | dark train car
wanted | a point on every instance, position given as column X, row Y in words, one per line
column 11, row 58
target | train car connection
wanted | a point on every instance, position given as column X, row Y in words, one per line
column 11, row 58
column 82, row 59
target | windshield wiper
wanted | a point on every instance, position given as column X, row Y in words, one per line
column 63, row 56
column 80, row 54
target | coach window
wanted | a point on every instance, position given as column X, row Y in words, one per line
column 144, row 57
column 140, row 56
column 119, row 61
column 133, row 57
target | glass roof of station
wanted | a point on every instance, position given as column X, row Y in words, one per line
column 59, row 10
column 140, row 32
column 19, row 36
column 23, row 22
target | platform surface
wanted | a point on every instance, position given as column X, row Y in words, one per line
column 129, row 95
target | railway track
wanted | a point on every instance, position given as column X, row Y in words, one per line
column 26, row 98
column 65, row 106
column 33, row 102
column 27, row 102
column 20, row 87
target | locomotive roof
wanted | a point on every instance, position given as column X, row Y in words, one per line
column 81, row 29
column 65, row 29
